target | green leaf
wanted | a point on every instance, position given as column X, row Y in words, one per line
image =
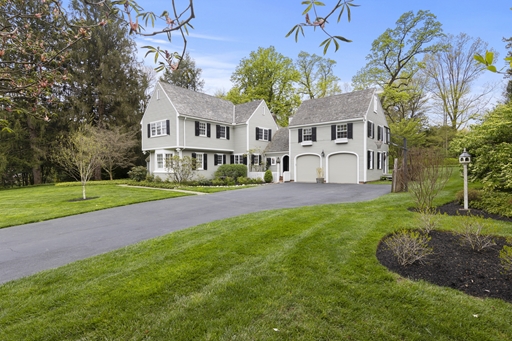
column 479, row 58
column 343, row 39
column 318, row 3
column 307, row 9
column 337, row 45
column 326, row 42
column 492, row 68
column 291, row 31
column 489, row 57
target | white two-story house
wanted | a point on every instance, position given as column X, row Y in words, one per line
column 211, row 130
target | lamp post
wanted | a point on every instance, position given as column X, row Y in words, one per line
column 464, row 160
column 278, row 161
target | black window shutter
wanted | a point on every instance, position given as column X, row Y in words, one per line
column 227, row 133
column 224, row 159
column 217, row 131
column 257, row 133
column 300, row 135
column 208, row 134
column 350, row 134
column 369, row 155
column 205, row 161
column 269, row 162
column 333, row 132
column 149, row 130
column 313, row 134
column 168, row 126
column 194, row 165
column 369, row 129
column 270, row 135
column 232, row 159
column 197, row 128
column 245, row 159
column 215, row 159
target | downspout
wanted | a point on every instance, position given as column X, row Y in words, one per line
column 365, row 151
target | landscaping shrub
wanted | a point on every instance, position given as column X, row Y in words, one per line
column 473, row 196
column 471, row 233
column 494, row 202
column 268, row 176
column 242, row 180
column 232, row 171
column 150, row 178
column 429, row 221
column 409, row 246
column 138, row 173
column 506, row 258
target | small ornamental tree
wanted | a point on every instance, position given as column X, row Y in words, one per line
column 427, row 176
column 179, row 169
column 80, row 154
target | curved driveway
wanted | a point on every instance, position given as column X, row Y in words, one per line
column 30, row 248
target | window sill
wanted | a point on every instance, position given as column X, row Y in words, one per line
column 344, row 140
column 306, row 143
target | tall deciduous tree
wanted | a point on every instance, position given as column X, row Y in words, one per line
column 188, row 76
column 270, row 76
column 452, row 74
column 392, row 62
column 317, row 77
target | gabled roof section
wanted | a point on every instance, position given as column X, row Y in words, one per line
column 199, row 105
column 244, row 111
column 280, row 141
column 351, row 105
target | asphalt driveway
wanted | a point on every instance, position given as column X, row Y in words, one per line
column 30, row 248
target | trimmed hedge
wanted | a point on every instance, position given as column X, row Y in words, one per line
column 231, row 171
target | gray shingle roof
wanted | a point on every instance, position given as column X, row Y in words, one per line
column 244, row 111
column 334, row 108
column 280, row 141
column 196, row 104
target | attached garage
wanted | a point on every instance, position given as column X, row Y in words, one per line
column 342, row 169
column 306, row 168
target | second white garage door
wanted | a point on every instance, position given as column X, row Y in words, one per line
column 343, row 169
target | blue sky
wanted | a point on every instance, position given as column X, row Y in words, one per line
column 228, row 30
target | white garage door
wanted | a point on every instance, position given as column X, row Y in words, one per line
column 306, row 168
column 343, row 169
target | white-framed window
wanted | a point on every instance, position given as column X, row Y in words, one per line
column 222, row 132
column 380, row 133
column 307, row 134
column 202, row 129
column 263, row 134
column 199, row 161
column 158, row 128
column 238, row 159
column 273, row 161
column 341, row 131
column 163, row 160
column 219, row 159
column 379, row 160
column 371, row 129
column 371, row 154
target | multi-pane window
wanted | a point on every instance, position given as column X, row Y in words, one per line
column 263, row 134
column 238, row 159
column 163, row 160
column 341, row 131
column 158, row 128
column 199, row 161
column 219, row 159
column 202, row 129
column 307, row 134
column 222, row 132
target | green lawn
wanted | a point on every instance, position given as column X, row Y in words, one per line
column 31, row 204
column 294, row 274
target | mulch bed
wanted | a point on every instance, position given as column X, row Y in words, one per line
column 455, row 264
